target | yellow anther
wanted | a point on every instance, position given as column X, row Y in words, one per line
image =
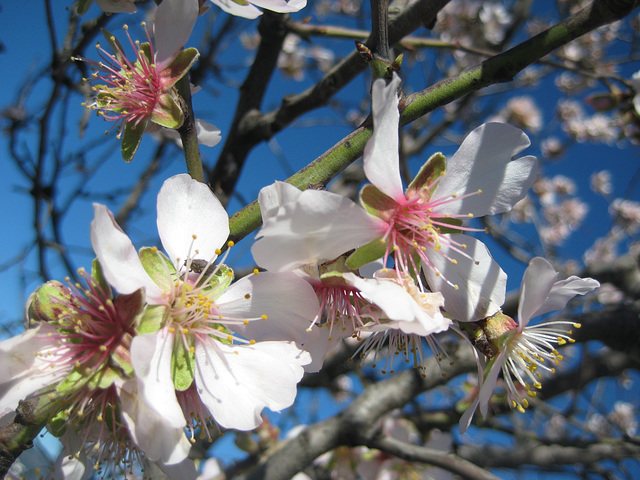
column 456, row 287
column 172, row 330
column 229, row 338
column 469, row 215
column 247, row 296
column 454, row 261
column 256, row 271
column 192, row 349
column 561, row 341
column 194, row 236
column 252, row 342
column 218, row 251
column 263, row 317
column 479, row 191
column 463, row 246
column 231, row 243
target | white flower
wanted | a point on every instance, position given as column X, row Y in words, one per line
column 223, row 375
column 524, row 349
column 249, row 9
column 481, row 179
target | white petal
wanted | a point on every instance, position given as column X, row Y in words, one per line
column 172, row 27
column 537, row 282
column 489, row 382
column 565, row 290
column 153, row 413
column 483, row 162
column 399, row 306
column 236, row 382
column 208, row 134
column 186, row 208
column 288, row 301
column 275, row 195
column 185, row 470
column 234, row 8
column 26, row 366
column 481, row 286
column 317, row 227
column 118, row 257
column 280, row 6
column 381, row 156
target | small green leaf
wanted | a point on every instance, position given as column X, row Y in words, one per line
column 131, row 138
column 367, row 254
column 58, row 424
column 427, row 177
column 74, row 381
column 182, row 365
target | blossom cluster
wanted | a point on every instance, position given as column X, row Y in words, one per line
column 157, row 349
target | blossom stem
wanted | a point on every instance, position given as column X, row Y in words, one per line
column 17, row 435
column 188, row 133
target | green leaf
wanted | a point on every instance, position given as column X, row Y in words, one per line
column 131, row 138
column 182, row 365
column 58, row 424
column 158, row 266
column 367, row 254
column 427, row 177
column 72, row 382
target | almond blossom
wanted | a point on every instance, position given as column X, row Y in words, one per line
column 189, row 360
column 419, row 229
column 521, row 350
column 139, row 94
column 393, row 310
column 75, row 365
column 246, row 9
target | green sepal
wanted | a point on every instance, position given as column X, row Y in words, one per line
column 376, row 202
column 454, row 222
column 179, row 66
column 145, row 48
column 115, row 45
column 72, row 382
column 426, row 179
column 182, row 365
column 58, row 424
column 167, row 111
column 158, row 266
column 366, row 254
column 223, row 277
column 104, row 378
column 121, row 355
column 46, row 304
column 152, row 319
column 98, row 276
column 131, row 138
column 83, row 6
